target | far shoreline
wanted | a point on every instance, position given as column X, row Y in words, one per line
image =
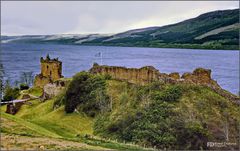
column 49, row 43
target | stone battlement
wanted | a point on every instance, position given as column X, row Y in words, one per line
column 49, row 60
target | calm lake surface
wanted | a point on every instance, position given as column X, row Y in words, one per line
column 17, row 58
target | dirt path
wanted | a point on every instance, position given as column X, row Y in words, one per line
column 17, row 142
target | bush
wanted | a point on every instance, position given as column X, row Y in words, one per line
column 11, row 93
column 89, row 91
column 24, row 86
column 158, row 124
column 170, row 94
column 195, row 136
column 151, row 127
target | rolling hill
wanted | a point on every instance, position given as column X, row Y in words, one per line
column 213, row 30
column 39, row 124
column 98, row 112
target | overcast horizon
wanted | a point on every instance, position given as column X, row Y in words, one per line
column 108, row 17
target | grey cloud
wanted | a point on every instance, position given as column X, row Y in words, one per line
column 49, row 17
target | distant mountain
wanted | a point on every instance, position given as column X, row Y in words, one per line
column 213, row 30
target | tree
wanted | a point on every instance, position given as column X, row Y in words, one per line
column 1, row 88
column 89, row 91
column 23, row 86
column 1, row 80
column 10, row 93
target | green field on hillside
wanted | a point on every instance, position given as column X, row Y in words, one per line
column 121, row 115
column 42, row 123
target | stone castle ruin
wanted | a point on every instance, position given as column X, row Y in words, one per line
column 53, row 89
column 51, row 73
column 140, row 76
column 144, row 75
column 149, row 74
column 51, row 70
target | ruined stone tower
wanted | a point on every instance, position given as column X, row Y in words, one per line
column 51, row 70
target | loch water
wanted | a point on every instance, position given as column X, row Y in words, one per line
column 19, row 57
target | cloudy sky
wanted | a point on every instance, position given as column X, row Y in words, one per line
column 82, row 17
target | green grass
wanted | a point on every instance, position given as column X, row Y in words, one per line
column 65, row 125
column 207, row 105
column 195, row 104
column 56, row 124
column 34, row 91
column 30, row 126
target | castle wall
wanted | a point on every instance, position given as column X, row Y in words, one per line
column 13, row 108
column 199, row 76
column 133, row 75
column 53, row 89
column 149, row 74
column 40, row 81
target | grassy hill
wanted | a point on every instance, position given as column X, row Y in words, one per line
column 212, row 30
column 162, row 115
column 156, row 115
column 199, row 32
column 39, row 124
column 96, row 112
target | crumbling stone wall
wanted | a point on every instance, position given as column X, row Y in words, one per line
column 149, row 74
column 133, row 75
column 13, row 108
column 200, row 76
column 53, row 89
column 174, row 75
column 144, row 75
column 40, row 80
column 51, row 70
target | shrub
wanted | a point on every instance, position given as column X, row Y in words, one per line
column 11, row 93
column 159, row 124
column 195, row 136
column 89, row 91
column 152, row 126
column 24, row 86
column 170, row 94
